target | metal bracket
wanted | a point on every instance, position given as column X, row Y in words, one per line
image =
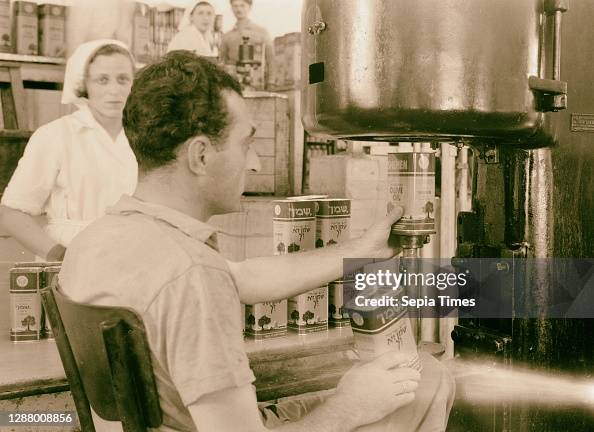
column 482, row 340
column 491, row 155
column 552, row 93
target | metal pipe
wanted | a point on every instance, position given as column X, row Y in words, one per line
column 447, row 214
column 557, row 44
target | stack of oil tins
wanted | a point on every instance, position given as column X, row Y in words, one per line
column 28, row 321
column 32, row 29
column 29, row 28
column 163, row 24
column 301, row 224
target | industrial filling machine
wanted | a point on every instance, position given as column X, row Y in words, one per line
column 514, row 81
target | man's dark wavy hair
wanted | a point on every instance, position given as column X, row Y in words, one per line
column 173, row 100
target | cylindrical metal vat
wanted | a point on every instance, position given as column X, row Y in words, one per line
column 411, row 69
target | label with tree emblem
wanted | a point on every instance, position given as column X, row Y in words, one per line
column 5, row 27
column 308, row 312
column 266, row 320
column 52, row 30
column 25, row 28
column 333, row 223
column 338, row 315
column 379, row 329
column 25, row 304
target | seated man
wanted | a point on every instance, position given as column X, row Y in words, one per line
column 190, row 130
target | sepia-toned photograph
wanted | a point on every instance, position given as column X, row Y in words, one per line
column 297, row 215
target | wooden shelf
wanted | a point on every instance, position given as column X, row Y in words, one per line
column 29, row 368
column 35, row 71
column 283, row 367
column 24, row 58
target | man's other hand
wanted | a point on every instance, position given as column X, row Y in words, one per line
column 370, row 391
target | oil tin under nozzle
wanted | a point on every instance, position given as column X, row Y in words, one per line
column 411, row 185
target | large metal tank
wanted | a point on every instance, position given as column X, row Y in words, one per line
column 486, row 72
column 411, row 69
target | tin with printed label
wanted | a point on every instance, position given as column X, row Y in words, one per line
column 379, row 329
column 5, row 27
column 25, row 27
column 338, row 314
column 333, row 221
column 266, row 320
column 52, row 30
column 48, row 271
column 308, row 312
column 293, row 226
column 411, row 185
column 25, row 304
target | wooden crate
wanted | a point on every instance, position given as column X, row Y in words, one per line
column 361, row 178
column 270, row 112
column 247, row 233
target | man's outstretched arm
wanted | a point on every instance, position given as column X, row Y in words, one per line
column 279, row 277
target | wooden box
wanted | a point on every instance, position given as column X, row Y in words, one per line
column 247, row 233
column 358, row 177
column 25, row 27
column 270, row 113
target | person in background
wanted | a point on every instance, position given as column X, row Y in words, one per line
column 75, row 166
column 245, row 27
column 191, row 132
column 196, row 31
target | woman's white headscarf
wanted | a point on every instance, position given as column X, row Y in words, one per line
column 188, row 37
column 186, row 20
column 74, row 77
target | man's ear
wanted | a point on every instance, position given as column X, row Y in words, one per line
column 197, row 149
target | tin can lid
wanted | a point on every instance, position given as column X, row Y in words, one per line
column 342, row 281
column 334, row 199
column 26, row 270
column 38, row 264
column 52, row 269
column 307, row 197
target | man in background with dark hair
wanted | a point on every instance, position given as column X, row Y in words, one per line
column 191, row 132
column 229, row 52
